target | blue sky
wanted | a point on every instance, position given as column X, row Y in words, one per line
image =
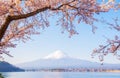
column 51, row 39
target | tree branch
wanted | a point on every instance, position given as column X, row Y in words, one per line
column 9, row 19
column 4, row 27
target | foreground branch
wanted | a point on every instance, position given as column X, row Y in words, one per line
column 9, row 19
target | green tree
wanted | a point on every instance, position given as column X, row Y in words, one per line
column 1, row 76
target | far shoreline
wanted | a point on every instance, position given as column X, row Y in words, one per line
column 109, row 71
column 114, row 71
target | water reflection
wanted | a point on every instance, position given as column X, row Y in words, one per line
column 53, row 75
column 60, row 75
column 33, row 75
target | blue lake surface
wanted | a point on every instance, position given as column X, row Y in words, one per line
column 61, row 75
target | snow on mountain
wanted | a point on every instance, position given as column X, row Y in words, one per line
column 59, row 59
column 57, row 55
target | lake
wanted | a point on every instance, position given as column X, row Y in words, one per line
column 61, row 75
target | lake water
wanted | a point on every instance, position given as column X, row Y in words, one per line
column 60, row 75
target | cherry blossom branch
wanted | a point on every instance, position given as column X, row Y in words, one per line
column 17, row 17
column 112, row 46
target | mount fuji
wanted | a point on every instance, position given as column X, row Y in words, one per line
column 57, row 55
column 60, row 60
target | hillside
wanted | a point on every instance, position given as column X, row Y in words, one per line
column 7, row 67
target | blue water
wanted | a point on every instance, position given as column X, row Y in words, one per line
column 60, row 75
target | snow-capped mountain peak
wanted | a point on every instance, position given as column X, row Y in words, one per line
column 56, row 55
column 61, row 60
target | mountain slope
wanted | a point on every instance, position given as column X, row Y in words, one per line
column 59, row 60
column 6, row 67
